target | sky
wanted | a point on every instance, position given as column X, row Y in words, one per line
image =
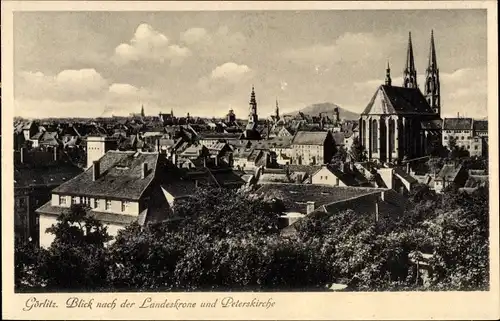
column 92, row 64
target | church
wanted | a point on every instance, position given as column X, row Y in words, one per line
column 401, row 123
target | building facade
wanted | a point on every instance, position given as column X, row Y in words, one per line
column 402, row 122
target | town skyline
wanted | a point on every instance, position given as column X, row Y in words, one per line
column 112, row 63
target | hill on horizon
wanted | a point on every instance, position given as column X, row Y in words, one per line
column 327, row 109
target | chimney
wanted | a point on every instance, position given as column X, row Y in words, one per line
column 55, row 154
column 96, row 170
column 144, row 171
column 22, row 155
column 310, row 207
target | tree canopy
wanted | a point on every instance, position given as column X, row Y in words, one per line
column 225, row 240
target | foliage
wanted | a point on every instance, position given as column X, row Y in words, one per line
column 358, row 151
column 224, row 240
column 26, row 259
column 76, row 259
column 340, row 156
column 225, row 213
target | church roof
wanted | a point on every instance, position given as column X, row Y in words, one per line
column 390, row 100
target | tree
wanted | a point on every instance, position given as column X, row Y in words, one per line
column 340, row 156
column 357, row 150
column 145, row 258
column 223, row 212
column 77, row 258
column 26, row 267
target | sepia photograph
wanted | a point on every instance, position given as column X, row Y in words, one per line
column 255, row 151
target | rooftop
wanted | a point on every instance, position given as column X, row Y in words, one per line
column 458, row 123
column 390, row 100
column 310, row 138
column 119, row 178
column 296, row 196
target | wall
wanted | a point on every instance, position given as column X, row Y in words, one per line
column 46, row 221
column 324, row 176
column 115, row 206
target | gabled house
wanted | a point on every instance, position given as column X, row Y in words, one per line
column 119, row 188
column 312, row 148
column 450, row 174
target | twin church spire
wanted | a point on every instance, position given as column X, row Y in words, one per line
column 432, row 86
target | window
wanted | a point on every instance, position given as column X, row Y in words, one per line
column 108, row 205
column 125, row 205
column 445, row 137
column 468, row 146
column 96, row 203
column 476, row 147
column 62, row 200
column 462, row 138
column 73, row 200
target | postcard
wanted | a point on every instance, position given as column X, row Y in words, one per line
column 250, row 160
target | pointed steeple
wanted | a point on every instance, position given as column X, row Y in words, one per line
column 142, row 111
column 252, row 117
column 172, row 112
column 388, row 80
column 277, row 110
column 410, row 72
column 432, row 85
column 432, row 53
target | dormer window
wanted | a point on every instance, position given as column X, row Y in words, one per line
column 62, row 200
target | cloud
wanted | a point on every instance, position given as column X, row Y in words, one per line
column 195, row 35
column 221, row 43
column 230, row 71
column 67, row 84
column 149, row 44
column 349, row 47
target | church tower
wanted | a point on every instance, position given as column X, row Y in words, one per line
column 388, row 80
column 252, row 117
column 432, row 86
column 277, row 110
column 142, row 111
column 410, row 72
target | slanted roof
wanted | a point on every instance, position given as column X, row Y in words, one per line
column 458, row 123
column 309, row 138
column 51, row 175
column 449, row 172
column 480, row 125
column 120, row 177
column 296, row 196
column 390, row 100
column 476, row 181
column 435, row 124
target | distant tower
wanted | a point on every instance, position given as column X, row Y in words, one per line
column 142, row 111
column 252, row 117
column 410, row 72
column 432, row 86
column 97, row 146
column 172, row 112
column 277, row 110
column 388, row 80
